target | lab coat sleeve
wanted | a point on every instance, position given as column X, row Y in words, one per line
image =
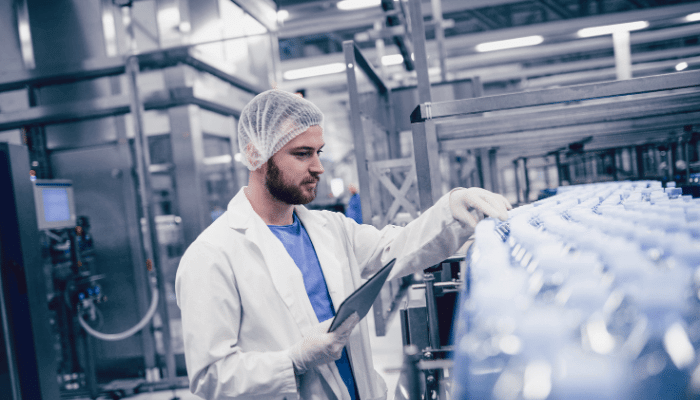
column 429, row 239
column 208, row 298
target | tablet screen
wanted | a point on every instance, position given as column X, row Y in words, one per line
column 361, row 300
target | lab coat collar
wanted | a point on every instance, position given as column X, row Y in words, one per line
column 284, row 273
column 240, row 212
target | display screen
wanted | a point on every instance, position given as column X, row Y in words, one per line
column 56, row 206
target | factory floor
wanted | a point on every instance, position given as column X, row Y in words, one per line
column 387, row 351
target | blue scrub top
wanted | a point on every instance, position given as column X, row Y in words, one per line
column 298, row 244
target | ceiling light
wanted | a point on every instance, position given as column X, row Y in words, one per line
column 693, row 17
column 392, row 59
column 681, row 66
column 609, row 29
column 282, row 15
column 314, row 71
column 357, row 4
column 510, row 43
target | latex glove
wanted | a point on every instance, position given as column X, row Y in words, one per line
column 469, row 206
column 320, row 346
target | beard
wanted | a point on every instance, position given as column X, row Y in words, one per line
column 287, row 192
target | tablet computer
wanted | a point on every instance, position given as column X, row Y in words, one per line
column 361, row 300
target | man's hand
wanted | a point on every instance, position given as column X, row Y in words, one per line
column 320, row 346
column 470, row 205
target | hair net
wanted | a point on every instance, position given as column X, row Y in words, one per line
column 270, row 121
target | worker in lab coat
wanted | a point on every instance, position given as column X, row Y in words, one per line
column 259, row 287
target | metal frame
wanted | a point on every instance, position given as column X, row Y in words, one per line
column 547, row 119
column 118, row 105
column 374, row 174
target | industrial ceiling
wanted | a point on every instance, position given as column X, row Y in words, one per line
column 313, row 32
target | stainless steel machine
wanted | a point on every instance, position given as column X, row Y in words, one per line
column 27, row 355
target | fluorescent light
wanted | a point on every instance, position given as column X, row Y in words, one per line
column 282, row 15
column 510, row 43
column 314, row 71
column 609, row 29
column 224, row 159
column 357, row 4
column 681, row 66
column 185, row 27
column 693, row 17
column 337, row 186
column 392, row 59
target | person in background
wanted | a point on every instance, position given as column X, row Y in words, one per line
column 354, row 209
column 259, row 287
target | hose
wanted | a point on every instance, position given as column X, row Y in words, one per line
column 129, row 332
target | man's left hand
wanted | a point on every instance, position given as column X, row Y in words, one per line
column 469, row 206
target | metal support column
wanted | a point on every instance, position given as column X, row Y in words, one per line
column 526, row 195
column 440, row 37
column 493, row 171
column 636, row 157
column 425, row 143
column 686, row 146
column 479, row 168
column 358, row 133
column 150, row 238
column 559, row 170
column 517, row 180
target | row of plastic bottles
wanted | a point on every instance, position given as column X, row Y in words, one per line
column 589, row 294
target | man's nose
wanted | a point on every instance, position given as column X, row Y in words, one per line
column 316, row 167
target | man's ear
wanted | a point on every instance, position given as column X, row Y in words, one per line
column 262, row 170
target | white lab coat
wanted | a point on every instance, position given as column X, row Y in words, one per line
column 244, row 303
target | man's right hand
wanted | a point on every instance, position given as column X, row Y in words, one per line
column 319, row 346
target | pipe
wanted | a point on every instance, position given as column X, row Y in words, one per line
column 129, row 332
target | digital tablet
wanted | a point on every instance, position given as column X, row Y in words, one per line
column 361, row 300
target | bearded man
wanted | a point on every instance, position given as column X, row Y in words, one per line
column 259, row 288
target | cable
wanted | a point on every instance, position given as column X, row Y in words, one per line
column 129, row 332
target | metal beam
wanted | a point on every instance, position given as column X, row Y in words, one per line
column 558, row 95
column 97, row 68
column 543, row 137
column 425, row 143
column 104, row 107
column 358, row 131
column 61, row 73
column 578, row 114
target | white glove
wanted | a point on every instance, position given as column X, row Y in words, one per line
column 320, row 346
column 469, row 206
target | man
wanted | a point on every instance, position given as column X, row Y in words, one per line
column 259, row 287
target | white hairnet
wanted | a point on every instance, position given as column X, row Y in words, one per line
column 270, row 121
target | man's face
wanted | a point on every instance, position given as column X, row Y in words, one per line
column 293, row 172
